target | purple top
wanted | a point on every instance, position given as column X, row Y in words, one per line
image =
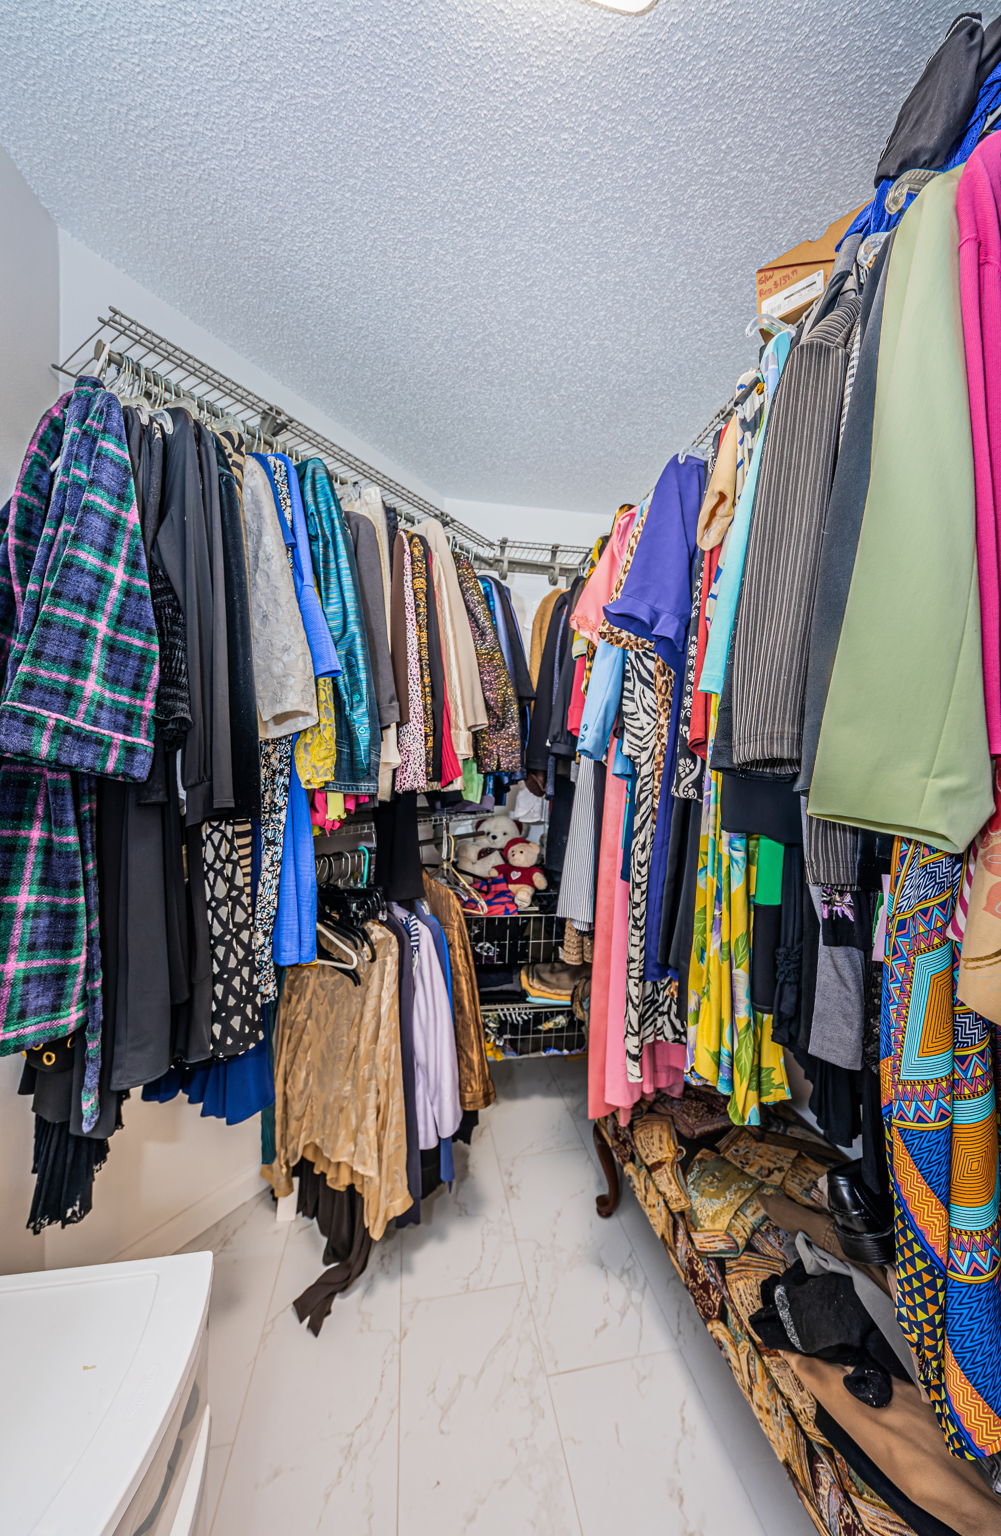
column 656, row 597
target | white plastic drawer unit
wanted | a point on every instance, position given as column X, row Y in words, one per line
column 104, row 1421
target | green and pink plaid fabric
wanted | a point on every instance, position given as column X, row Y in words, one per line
column 79, row 660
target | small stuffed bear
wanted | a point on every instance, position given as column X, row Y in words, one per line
column 498, row 829
column 475, row 856
column 520, row 870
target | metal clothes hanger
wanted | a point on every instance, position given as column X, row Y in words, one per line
column 449, row 875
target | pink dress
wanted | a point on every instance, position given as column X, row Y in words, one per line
column 609, row 946
column 587, row 617
column 608, row 1087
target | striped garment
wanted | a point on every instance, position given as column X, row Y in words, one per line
column 772, row 627
column 79, row 651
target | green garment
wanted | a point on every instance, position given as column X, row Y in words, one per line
column 472, row 781
column 768, row 873
column 903, row 742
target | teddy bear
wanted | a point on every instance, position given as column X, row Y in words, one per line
column 521, row 872
column 498, row 829
column 487, row 893
column 475, row 856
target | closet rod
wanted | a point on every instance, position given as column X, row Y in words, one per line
column 358, row 824
column 162, row 369
column 705, row 435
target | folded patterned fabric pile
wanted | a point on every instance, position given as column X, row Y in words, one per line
column 553, row 982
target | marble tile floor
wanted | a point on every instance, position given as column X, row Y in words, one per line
column 514, row 1366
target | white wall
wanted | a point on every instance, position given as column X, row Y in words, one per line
column 89, row 284
column 29, row 341
column 29, row 317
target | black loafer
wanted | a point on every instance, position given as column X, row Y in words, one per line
column 863, row 1220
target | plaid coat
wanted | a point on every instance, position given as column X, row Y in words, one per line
column 79, row 662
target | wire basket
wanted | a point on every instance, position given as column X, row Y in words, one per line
column 530, row 937
column 532, row 1029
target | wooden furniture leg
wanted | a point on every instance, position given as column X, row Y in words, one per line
column 606, row 1203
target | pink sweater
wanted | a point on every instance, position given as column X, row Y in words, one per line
column 978, row 208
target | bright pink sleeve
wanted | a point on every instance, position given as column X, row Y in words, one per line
column 980, row 298
column 575, row 713
column 587, row 617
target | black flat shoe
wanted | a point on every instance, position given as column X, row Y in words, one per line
column 863, row 1220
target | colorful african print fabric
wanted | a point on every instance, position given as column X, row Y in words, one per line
column 730, row 1045
column 939, row 1109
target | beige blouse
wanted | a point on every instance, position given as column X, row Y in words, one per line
column 465, row 691
column 716, row 512
column 339, row 1082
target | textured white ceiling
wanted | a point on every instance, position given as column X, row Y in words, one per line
column 511, row 241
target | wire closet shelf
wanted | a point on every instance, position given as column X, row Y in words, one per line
column 166, row 373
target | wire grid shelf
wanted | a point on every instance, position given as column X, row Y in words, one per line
column 164, row 370
column 532, row 1029
column 519, row 1026
column 527, row 939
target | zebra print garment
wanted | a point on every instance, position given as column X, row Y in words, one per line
column 651, row 1006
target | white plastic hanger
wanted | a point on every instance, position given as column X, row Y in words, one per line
column 768, row 324
column 351, row 963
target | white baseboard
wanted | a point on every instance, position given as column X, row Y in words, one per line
column 195, row 1219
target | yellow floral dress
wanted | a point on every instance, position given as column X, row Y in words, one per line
column 730, row 1046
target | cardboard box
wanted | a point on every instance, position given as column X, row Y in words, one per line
column 789, row 284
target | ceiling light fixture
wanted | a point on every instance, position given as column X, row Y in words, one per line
column 627, row 7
